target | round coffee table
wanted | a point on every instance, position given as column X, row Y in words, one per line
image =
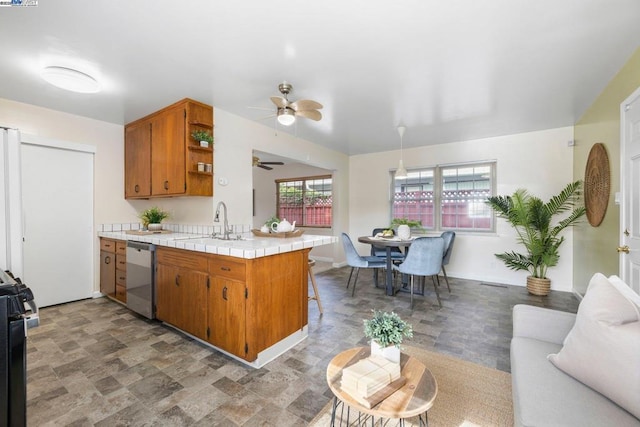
column 413, row 399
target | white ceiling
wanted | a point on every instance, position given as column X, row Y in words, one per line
column 448, row 70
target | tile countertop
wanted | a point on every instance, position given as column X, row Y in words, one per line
column 251, row 247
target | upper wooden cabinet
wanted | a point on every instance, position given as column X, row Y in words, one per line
column 161, row 158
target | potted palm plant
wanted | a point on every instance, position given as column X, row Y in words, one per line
column 532, row 220
column 387, row 331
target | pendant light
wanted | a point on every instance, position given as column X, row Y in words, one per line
column 401, row 172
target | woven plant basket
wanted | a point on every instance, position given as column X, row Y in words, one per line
column 537, row 286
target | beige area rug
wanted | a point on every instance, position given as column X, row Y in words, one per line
column 469, row 395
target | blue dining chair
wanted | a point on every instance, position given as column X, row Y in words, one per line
column 356, row 261
column 449, row 237
column 424, row 260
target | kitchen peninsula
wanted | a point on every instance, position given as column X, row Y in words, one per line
column 247, row 298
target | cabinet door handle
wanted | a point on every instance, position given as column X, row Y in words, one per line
column 166, row 185
column 107, row 260
column 136, row 188
column 225, row 268
column 224, row 293
column 177, row 280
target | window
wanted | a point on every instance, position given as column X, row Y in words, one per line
column 307, row 201
column 448, row 197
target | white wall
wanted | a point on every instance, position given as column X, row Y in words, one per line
column 539, row 161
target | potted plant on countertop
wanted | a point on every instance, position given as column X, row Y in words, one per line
column 531, row 218
column 204, row 137
column 387, row 331
column 152, row 218
column 405, row 225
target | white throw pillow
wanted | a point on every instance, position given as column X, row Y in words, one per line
column 603, row 348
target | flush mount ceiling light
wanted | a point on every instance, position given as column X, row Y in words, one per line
column 286, row 116
column 70, row 79
column 401, row 172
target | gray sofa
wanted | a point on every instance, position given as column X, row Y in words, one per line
column 543, row 395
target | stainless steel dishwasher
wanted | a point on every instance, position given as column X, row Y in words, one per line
column 141, row 278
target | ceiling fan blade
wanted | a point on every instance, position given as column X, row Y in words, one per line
column 279, row 102
column 260, row 165
column 272, row 163
column 305, row 104
column 310, row 114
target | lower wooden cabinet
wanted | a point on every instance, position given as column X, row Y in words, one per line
column 181, row 298
column 242, row 306
column 226, row 315
column 108, row 267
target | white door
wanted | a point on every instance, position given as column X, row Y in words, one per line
column 630, row 186
column 57, row 203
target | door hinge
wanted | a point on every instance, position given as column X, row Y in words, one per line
column 208, row 332
column 185, row 113
column 208, row 282
column 246, row 348
column 246, row 293
column 185, row 186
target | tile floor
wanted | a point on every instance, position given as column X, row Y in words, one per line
column 94, row 362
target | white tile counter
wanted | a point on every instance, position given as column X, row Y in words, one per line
column 250, row 247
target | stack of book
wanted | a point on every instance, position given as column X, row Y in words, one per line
column 371, row 380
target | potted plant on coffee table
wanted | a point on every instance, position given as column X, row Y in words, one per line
column 532, row 220
column 387, row 330
column 152, row 218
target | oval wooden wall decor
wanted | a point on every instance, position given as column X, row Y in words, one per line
column 597, row 184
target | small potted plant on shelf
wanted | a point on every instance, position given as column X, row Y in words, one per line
column 152, row 218
column 387, row 331
column 204, row 137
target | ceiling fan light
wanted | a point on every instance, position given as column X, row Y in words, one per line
column 286, row 116
column 70, row 79
column 401, row 172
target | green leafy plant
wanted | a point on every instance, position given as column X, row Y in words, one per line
column 153, row 215
column 531, row 218
column 387, row 328
column 272, row 220
column 200, row 135
column 405, row 221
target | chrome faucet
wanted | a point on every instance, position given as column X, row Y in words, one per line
column 225, row 226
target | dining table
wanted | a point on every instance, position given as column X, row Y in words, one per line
column 387, row 243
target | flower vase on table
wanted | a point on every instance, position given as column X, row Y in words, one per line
column 391, row 352
column 404, row 232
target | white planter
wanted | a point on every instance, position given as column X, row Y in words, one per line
column 404, row 232
column 391, row 353
column 154, row 227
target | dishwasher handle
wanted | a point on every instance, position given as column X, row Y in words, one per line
column 141, row 246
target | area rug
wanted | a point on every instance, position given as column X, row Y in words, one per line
column 469, row 395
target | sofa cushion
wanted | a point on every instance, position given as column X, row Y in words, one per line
column 545, row 396
column 603, row 348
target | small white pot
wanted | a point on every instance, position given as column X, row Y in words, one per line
column 154, row 227
column 404, row 232
column 391, row 353
column 204, row 144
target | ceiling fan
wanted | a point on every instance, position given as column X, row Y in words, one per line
column 287, row 111
column 263, row 165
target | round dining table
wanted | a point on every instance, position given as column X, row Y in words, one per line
column 387, row 243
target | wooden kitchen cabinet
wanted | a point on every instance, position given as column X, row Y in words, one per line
column 108, row 267
column 161, row 158
column 227, row 301
column 137, row 160
column 181, row 290
column 121, row 271
column 249, row 306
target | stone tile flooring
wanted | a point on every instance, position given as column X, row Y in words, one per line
column 94, row 362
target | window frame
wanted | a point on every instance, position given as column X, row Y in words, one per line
column 304, row 180
column 438, row 194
